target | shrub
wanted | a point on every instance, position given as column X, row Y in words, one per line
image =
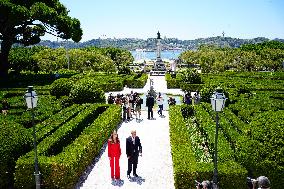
column 137, row 81
column 191, row 87
column 15, row 140
column 124, row 70
column 189, row 76
column 172, row 82
column 61, row 87
column 86, row 91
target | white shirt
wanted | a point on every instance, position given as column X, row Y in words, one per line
column 160, row 101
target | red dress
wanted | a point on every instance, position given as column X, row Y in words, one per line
column 114, row 152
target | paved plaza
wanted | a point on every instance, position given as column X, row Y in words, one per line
column 155, row 167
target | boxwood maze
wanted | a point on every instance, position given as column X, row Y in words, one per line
column 188, row 166
column 64, row 155
column 244, row 149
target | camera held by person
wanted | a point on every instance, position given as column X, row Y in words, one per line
column 261, row 182
column 204, row 185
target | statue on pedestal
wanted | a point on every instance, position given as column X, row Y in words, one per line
column 159, row 35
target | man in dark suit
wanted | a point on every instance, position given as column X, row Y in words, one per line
column 133, row 148
column 150, row 104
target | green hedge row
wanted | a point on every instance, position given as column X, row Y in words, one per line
column 47, row 106
column 184, row 162
column 48, row 126
column 252, row 81
column 62, row 169
column 249, row 106
column 80, row 83
column 208, row 125
column 254, row 144
column 31, row 78
column 187, row 169
column 137, row 81
column 15, row 140
column 172, row 82
column 266, row 147
column 191, row 87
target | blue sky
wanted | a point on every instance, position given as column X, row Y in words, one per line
column 182, row 19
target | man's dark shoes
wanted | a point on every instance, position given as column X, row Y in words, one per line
column 135, row 175
column 128, row 176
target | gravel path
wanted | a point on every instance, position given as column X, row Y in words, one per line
column 155, row 167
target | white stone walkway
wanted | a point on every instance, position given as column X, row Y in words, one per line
column 155, row 166
column 160, row 85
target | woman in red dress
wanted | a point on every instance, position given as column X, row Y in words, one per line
column 114, row 152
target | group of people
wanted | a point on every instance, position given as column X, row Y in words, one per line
column 133, row 150
column 189, row 100
column 131, row 104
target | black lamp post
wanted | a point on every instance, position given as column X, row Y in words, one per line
column 31, row 100
column 218, row 102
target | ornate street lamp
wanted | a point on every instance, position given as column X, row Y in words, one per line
column 31, row 100
column 218, row 102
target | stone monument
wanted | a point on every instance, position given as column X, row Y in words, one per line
column 159, row 65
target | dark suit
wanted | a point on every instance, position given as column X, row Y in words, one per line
column 150, row 101
column 132, row 151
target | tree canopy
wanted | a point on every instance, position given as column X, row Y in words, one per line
column 25, row 22
column 267, row 56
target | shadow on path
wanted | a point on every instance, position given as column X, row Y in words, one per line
column 139, row 180
column 117, row 182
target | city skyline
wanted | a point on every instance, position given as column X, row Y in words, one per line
column 182, row 19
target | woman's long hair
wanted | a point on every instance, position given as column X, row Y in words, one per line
column 111, row 138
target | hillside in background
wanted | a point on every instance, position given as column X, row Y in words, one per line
column 150, row 43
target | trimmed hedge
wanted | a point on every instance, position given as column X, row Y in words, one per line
column 63, row 169
column 47, row 106
column 266, row 130
column 61, row 87
column 184, row 162
column 31, row 78
column 172, row 82
column 187, row 169
column 48, row 126
column 191, row 87
column 137, row 81
column 254, row 144
column 14, row 141
column 87, row 91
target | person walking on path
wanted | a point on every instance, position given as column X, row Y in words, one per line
column 160, row 101
column 114, row 152
column 138, row 103
column 150, row 104
column 133, row 149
